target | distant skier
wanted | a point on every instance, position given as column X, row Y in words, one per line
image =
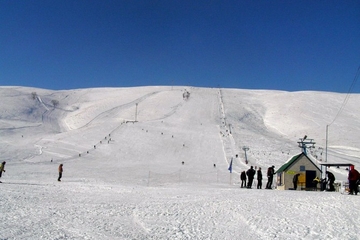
column 250, row 174
column 243, row 179
column 259, row 178
column 353, row 177
column 60, row 172
column 2, row 168
column 270, row 175
column 331, row 180
column 295, row 180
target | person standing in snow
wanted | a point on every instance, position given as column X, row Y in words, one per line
column 60, row 172
column 250, row 174
column 353, row 179
column 259, row 178
column 331, row 180
column 315, row 182
column 243, row 179
column 2, row 168
column 270, row 175
column 295, row 180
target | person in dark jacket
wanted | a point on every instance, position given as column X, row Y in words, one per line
column 243, row 179
column 331, row 180
column 250, row 174
column 60, row 172
column 353, row 179
column 295, row 180
column 259, row 178
column 270, row 175
column 2, row 168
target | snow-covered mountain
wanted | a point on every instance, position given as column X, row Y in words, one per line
column 158, row 127
column 123, row 141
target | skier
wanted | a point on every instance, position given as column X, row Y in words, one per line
column 60, row 172
column 259, row 178
column 353, row 178
column 250, row 173
column 270, row 175
column 2, row 168
column 243, row 179
column 295, row 180
column 331, row 180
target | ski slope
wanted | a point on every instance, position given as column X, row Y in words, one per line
column 147, row 163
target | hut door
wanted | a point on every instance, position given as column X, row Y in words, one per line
column 310, row 175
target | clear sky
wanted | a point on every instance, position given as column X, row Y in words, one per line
column 282, row 45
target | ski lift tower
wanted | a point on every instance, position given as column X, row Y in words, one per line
column 136, row 111
column 305, row 143
column 245, row 149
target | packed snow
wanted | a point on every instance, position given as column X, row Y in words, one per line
column 152, row 163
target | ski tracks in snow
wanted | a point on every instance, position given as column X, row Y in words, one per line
column 287, row 221
column 73, row 210
column 190, row 217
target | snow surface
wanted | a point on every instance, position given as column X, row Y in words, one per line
column 165, row 175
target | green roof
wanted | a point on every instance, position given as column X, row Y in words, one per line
column 293, row 160
column 289, row 163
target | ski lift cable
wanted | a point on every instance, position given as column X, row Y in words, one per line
column 347, row 95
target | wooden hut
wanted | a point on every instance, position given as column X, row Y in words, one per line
column 303, row 165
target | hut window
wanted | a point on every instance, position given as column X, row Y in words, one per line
column 302, row 168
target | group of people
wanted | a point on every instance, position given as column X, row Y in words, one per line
column 330, row 180
column 250, row 174
column 353, row 177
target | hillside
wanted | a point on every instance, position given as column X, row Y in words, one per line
column 152, row 163
column 155, row 129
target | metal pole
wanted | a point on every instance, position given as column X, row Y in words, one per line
column 245, row 149
column 326, row 144
column 136, row 112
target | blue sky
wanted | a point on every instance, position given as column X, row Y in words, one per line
column 281, row 45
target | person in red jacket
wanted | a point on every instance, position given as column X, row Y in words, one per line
column 353, row 178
